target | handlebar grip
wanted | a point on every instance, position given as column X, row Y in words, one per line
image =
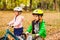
column 12, row 26
column 24, row 34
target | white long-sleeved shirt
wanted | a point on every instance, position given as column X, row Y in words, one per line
column 17, row 21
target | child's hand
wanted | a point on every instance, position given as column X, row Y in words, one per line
column 8, row 24
column 27, row 33
column 37, row 35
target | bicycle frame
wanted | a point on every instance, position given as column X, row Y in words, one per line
column 16, row 38
column 8, row 32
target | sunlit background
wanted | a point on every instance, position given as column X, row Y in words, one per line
column 51, row 16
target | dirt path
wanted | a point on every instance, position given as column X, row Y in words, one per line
column 52, row 23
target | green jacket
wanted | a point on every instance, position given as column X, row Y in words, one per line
column 42, row 31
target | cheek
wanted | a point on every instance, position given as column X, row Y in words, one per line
column 36, row 18
column 33, row 17
column 16, row 13
column 40, row 17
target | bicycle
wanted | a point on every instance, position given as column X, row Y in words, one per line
column 33, row 37
column 5, row 37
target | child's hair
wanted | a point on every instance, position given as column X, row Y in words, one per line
column 38, row 14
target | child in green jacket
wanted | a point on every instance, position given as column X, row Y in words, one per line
column 38, row 24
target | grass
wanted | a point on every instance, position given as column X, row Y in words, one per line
column 52, row 20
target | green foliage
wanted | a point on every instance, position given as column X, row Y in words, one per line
column 10, row 4
column 1, row 5
column 59, row 4
column 35, row 3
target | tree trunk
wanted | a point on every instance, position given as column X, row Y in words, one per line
column 30, row 4
column 4, row 3
column 55, row 5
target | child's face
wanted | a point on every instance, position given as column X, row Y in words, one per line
column 36, row 17
column 16, row 13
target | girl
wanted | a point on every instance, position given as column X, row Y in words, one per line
column 17, row 22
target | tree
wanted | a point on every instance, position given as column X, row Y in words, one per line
column 55, row 4
column 30, row 4
column 4, row 4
